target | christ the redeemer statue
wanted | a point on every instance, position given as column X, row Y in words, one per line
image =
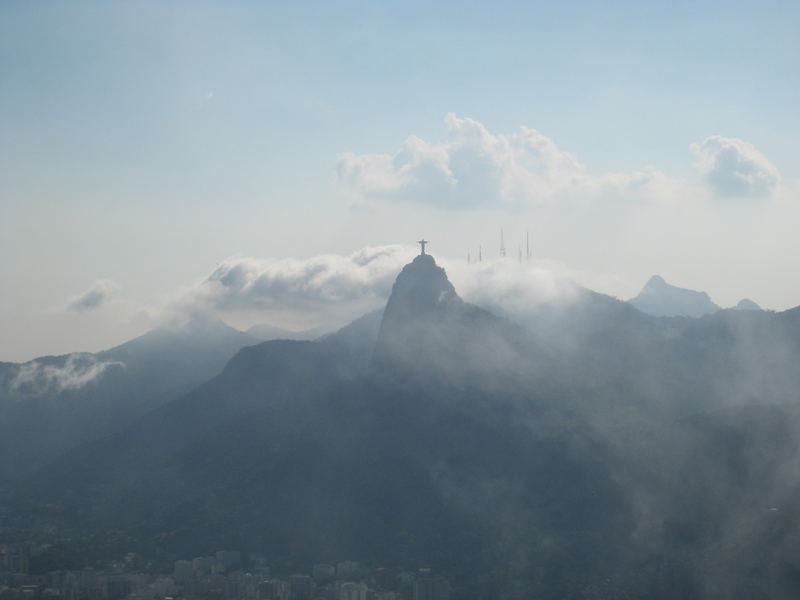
column 422, row 243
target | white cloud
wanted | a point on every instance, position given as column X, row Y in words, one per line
column 326, row 285
column 330, row 289
column 734, row 167
column 473, row 166
column 94, row 297
column 512, row 287
column 78, row 370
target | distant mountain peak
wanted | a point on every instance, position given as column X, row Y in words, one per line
column 747, row 304
column 661, row 299
column 656, row 281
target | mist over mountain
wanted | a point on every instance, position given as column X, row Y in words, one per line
column 50, row 404
column 595, row 452
column 428, row 329
column 325, row 411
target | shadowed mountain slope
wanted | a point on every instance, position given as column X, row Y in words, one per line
column 51, row 404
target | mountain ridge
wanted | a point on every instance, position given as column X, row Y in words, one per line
column 51, row 404
column 521, row 462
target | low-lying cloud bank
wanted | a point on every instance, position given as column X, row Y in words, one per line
column 336, row 288
column 474, row 167
column 326, row 279
column 512, row 287
column 305, row 292
column 77, row 371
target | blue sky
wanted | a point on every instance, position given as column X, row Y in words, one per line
column 144, row 142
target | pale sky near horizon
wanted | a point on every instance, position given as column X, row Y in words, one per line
column 145, row 145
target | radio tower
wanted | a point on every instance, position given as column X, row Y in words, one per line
column 502, row 244
column 527, row 246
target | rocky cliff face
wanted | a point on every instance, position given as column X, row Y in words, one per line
column 428, row 330
column 422, row 299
